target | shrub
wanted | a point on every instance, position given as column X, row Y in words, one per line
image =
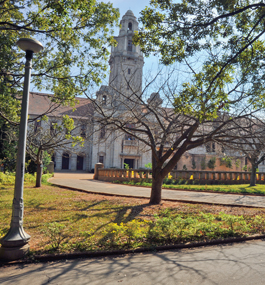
column 56, row 234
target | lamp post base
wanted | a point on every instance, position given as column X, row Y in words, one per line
column 14, row 243
column 13, row 253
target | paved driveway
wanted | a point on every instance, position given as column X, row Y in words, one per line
column 84, row 181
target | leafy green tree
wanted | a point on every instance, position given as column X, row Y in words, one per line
column 75, row 35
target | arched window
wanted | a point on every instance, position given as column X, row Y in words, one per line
column 129, row 71
column 130, row 26
column 104, row 100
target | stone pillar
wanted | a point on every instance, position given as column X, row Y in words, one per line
column 50, row 167
column 73, row 162
column 97, row 166
column 58, row 160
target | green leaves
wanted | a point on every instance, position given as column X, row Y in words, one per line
column 72, row 32
column 220, row 42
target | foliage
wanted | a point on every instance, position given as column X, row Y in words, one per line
column 8, row 178
column 237, row 163
column 148, row 165
column 8, row 145
column 245, row 168
column 184, row 167
column 211, row 163
column 227, row 161
column 46, row 160
column 75, row 35
column 56, row 234
column 126, row 166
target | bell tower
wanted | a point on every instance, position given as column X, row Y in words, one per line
column 126, row 60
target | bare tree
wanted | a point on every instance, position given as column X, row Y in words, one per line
column 56, row 137
column 55, row 127
column 182, row 118
column 250, row 142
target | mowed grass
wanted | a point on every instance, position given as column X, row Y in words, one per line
column 237, row 189
column 61, row 220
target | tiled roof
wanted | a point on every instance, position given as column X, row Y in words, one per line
column 41, row 103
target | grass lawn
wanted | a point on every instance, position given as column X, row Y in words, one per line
column 61, row 220
column 237, row 189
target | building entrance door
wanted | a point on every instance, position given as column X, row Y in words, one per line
column 80, row 162
column 65, row 161
column 130, row 162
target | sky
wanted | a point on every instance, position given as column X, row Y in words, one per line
column 124, row 5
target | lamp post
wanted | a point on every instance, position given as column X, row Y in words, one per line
column 15, row 242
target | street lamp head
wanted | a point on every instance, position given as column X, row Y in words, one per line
column 32, row 45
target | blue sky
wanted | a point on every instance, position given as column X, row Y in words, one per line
column 135, row 5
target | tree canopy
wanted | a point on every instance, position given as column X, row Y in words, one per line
column 224, row 38
column 75, row 35
column 179, row 29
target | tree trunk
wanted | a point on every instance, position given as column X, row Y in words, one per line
column 39, row 175
column 156, row 192
column 253, row 175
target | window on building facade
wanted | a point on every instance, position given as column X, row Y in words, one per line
column 101, row 159
column 52, row 130
column 104, row 100
column 130, row 45
column 128, row 136
column 129, row 71
column 83, row 131
column 210, row 147
column 102, row 133
column 37, row 125
column 130, row 26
